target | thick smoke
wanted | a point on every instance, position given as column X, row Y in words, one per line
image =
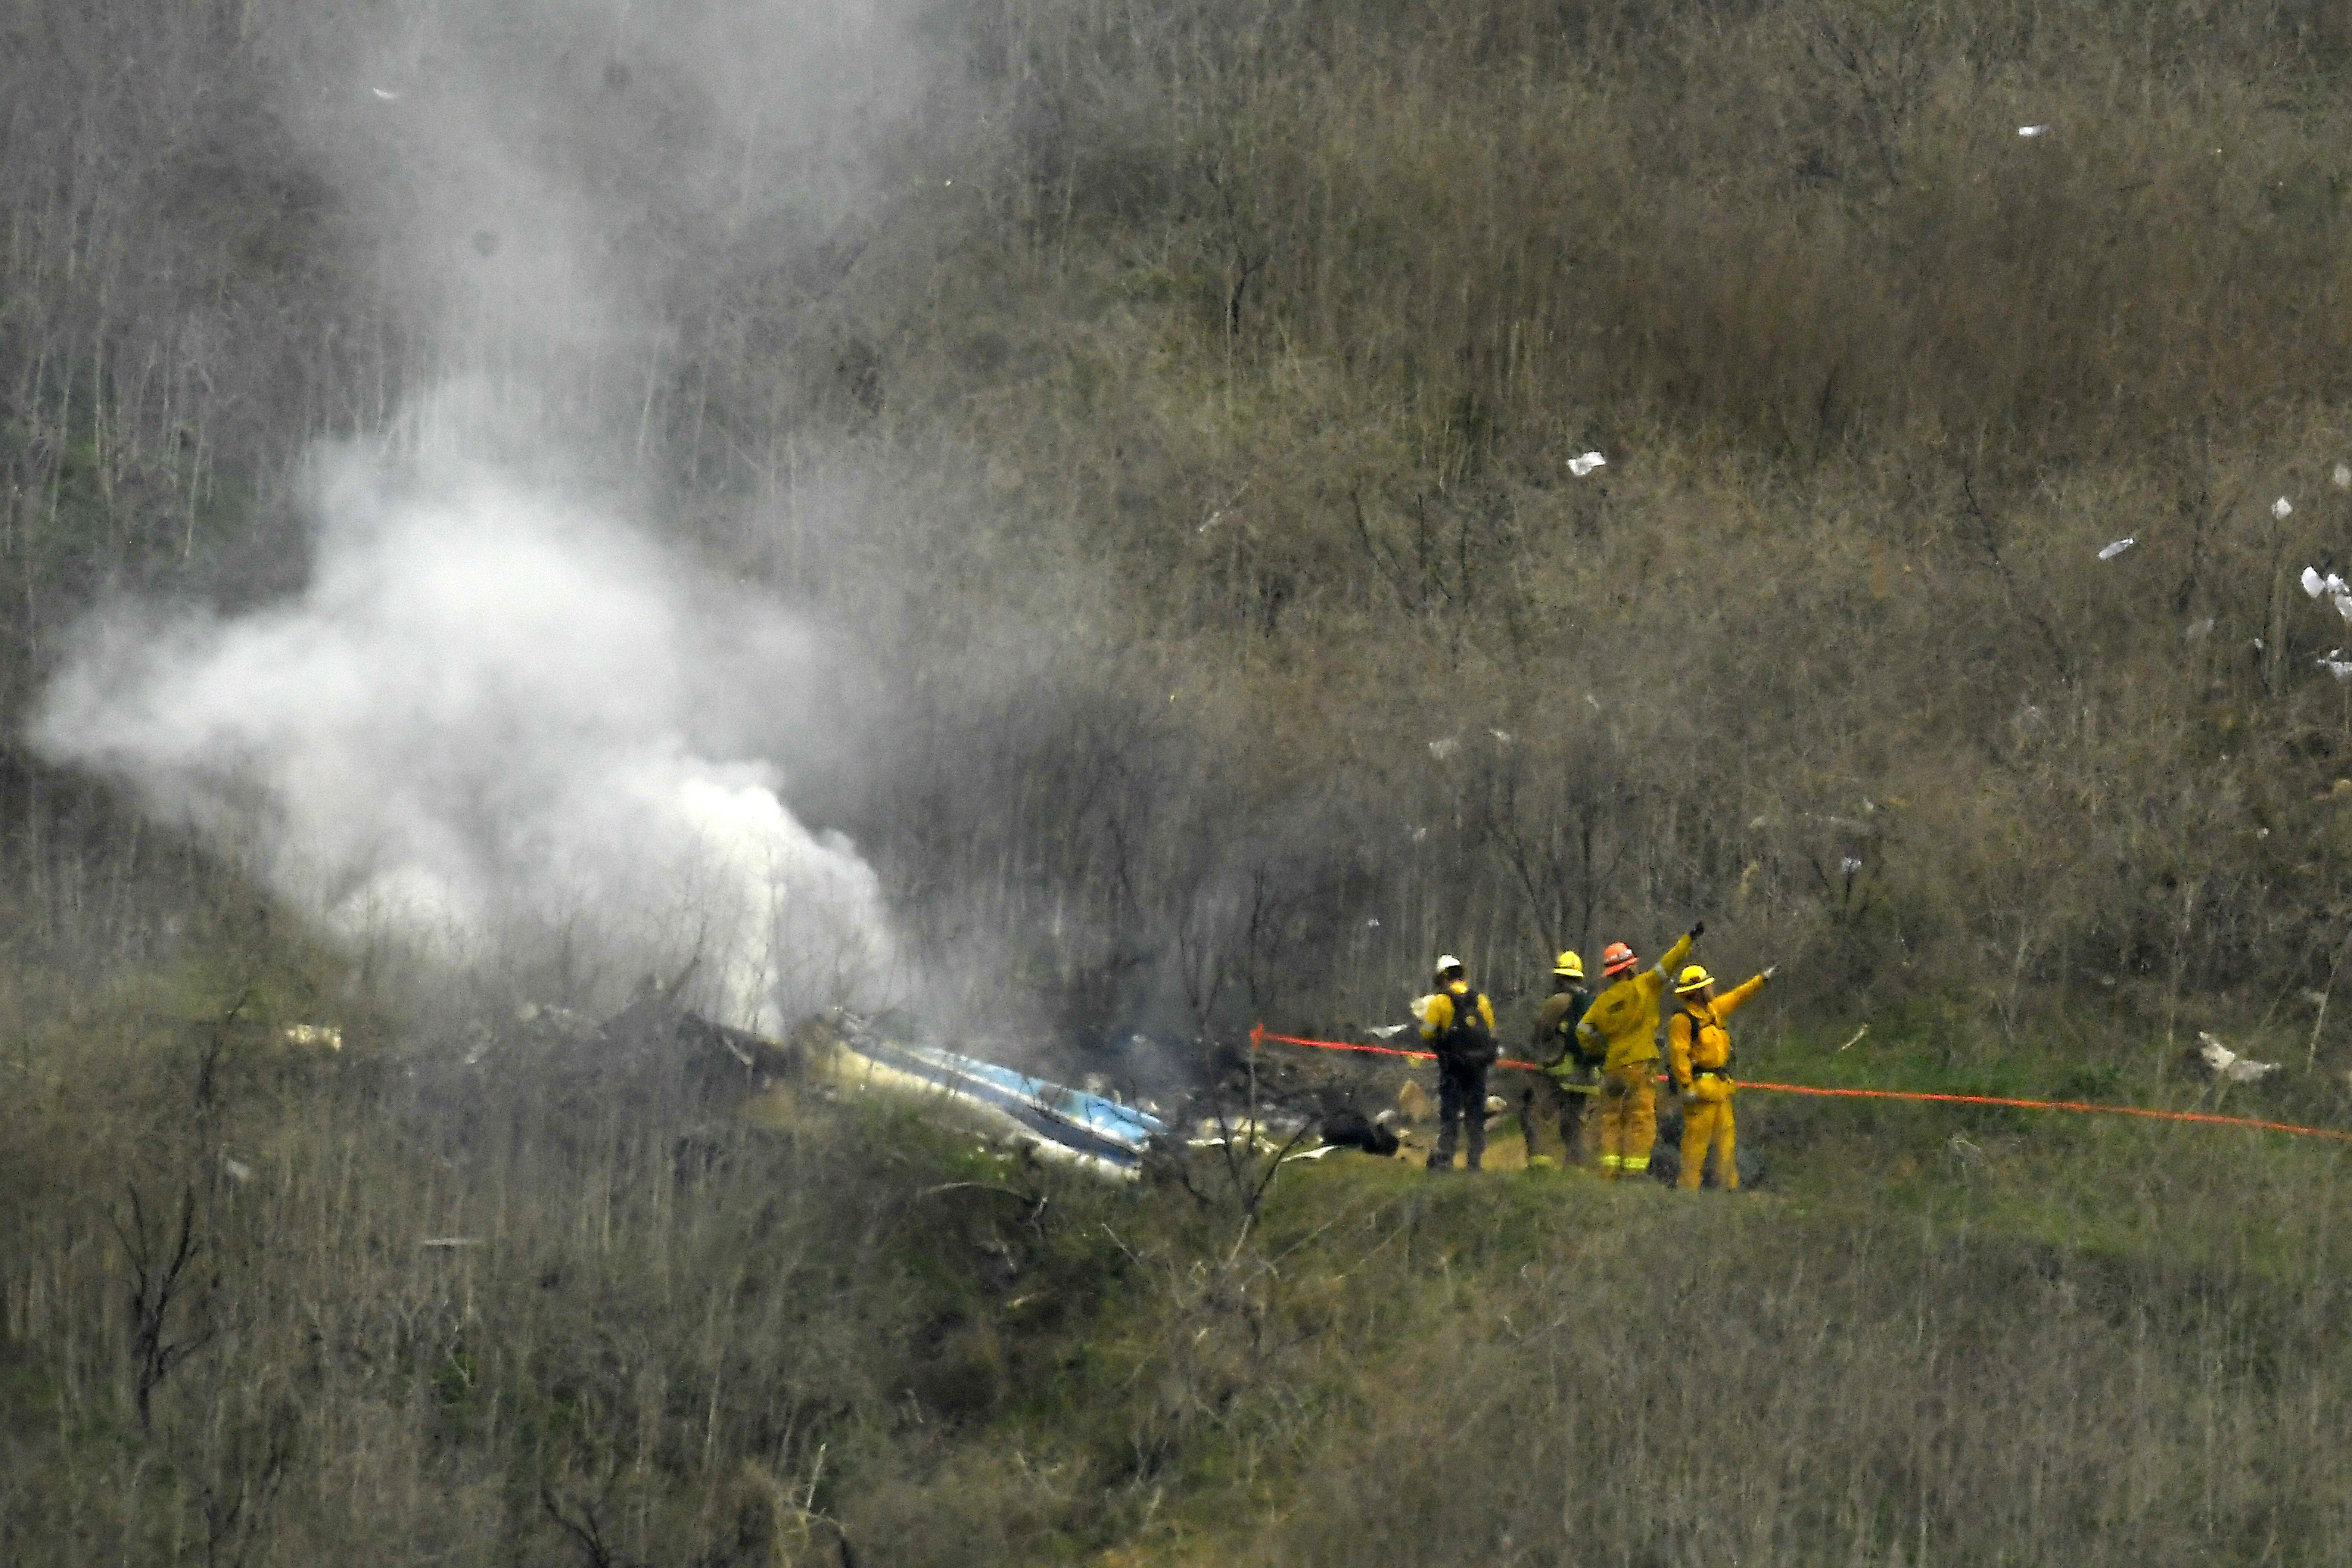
column 482, row 728
column 500, row 723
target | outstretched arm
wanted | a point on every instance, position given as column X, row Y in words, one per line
column 1728, row 1002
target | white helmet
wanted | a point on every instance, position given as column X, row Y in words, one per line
column 1447, row 963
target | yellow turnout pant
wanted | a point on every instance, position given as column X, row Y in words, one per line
column 1629, row 1119
column 1706, row 1123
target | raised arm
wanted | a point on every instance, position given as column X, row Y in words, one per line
column 1727, row 1002
column 1673, row 959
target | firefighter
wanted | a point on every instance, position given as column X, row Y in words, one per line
column 1698, row 1053
column 1459, row 1025
column 1559, row 1094
column 1621, row 1028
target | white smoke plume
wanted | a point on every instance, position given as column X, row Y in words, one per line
column 499, row 723
column 484, row 726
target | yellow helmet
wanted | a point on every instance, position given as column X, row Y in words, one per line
column 1694, row 978
column 1568, row 967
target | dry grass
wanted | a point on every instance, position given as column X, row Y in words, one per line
column 1187, row 467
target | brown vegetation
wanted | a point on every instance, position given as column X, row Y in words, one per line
column 1171, row 406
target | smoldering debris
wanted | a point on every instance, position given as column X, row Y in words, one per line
column 1056, row 1122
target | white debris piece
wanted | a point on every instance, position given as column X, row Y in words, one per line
column 385, row 93
column 2339, row 592
column 2342, row 476
column 2336, row 664
column 2031, row 131
column 1444, row 748
column 1388, row 1031
column 325, row 1036
column 2110, row 552
column 2197, row 631
column 2281, row 509
column 1850, row 865
column 1372, row 924
column 2228, row 1065
column 1502, row 737
column 1584, row 465
column 238, row 1171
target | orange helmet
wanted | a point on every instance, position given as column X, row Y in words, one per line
column 1618, row 959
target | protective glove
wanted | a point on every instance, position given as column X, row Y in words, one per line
column 1697, row 930
column 1770, row 970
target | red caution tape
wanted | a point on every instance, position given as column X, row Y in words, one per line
column 1258, row 1037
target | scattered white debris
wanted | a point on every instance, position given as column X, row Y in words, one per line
column 2228, row 1065
column 2338, row 590
column 1372, row 924
column 1850, row 865
column 2342, row 476
column 2030, row 131
column 1444, row 748
column 1584, row 465
column 2281, row 509
column 2110, row 552
column 2336, row 664
column 2197, row 631
column 1420, row 835
column 326, row 1036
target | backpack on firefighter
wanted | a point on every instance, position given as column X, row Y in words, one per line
column 1466, row 1039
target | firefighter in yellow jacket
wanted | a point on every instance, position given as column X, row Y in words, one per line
column 1621, row 1028
column 1698, row 1053
column 1458, row 1023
